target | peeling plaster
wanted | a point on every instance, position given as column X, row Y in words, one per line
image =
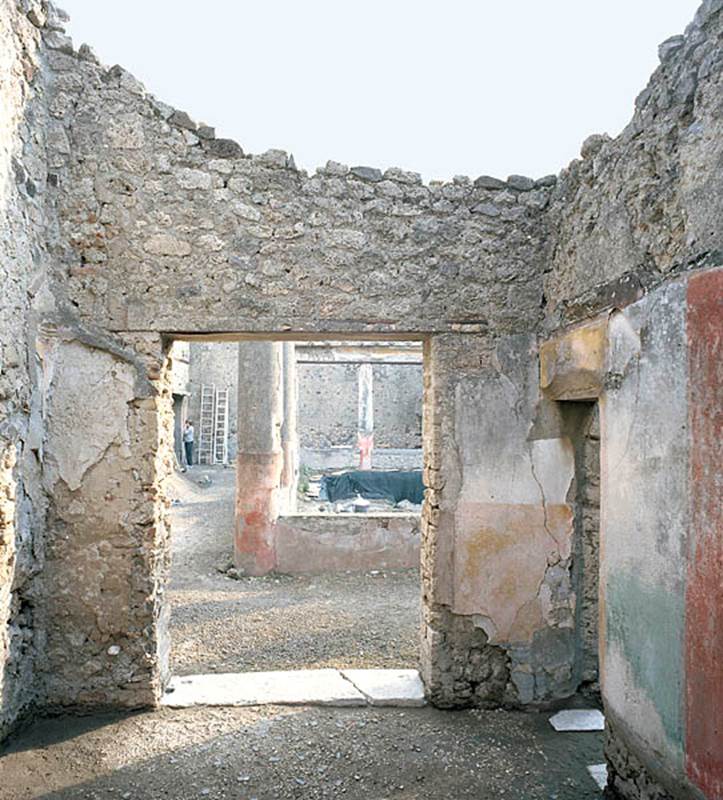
column 80, row 427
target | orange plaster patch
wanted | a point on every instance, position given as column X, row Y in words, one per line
column 501, row 555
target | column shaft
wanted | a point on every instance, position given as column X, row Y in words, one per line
column 260, row 458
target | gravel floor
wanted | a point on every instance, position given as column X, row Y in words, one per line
column 274, row 753
column 223, row 625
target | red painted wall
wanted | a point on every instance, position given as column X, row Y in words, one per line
column 704, row 594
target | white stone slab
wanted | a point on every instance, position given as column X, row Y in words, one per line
column 388, row 687
column 599, row 773
column 299, row 687
column 578, row 719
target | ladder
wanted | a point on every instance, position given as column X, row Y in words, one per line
column 220, row 428
column 206, row 424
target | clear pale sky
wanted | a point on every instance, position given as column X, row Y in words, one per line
column 443, row 88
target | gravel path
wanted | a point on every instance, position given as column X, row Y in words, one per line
column 274, row 753
column 280, row 622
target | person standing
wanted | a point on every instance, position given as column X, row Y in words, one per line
column 188, row 442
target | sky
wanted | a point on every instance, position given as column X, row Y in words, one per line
column 445, row 88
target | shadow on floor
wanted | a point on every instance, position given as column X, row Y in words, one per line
column 274, row 752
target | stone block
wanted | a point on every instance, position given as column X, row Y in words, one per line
column 388, row 687
column 572, row 365
column 520, row 182
column 578, row 719
column 488, row 182
column 325, row 687
column 367, row 173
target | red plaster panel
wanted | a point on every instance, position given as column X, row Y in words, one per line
column 257, row 481
column 704, row 595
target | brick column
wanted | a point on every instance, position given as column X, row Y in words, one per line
column 260, row 458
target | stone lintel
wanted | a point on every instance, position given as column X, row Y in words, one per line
column 572, row 364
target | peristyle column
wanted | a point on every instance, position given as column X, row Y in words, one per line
column 365, row 435
column 260, row 458
column 289, row 436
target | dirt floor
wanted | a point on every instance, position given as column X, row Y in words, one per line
column 219, row 624
column 275, row 753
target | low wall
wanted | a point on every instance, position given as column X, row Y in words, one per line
column 312, row 543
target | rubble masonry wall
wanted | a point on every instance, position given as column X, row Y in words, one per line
column 23, row 180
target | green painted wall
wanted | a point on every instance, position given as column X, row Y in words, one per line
column 648, row 624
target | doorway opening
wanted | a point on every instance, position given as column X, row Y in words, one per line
column 295, row 513
column 582, row 423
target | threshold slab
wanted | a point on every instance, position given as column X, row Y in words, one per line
column 388, row 687
column 296, row 687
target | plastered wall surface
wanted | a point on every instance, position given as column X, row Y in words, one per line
column 704, row 609
column 124, row 222
column 645, row 454
column 660, row 574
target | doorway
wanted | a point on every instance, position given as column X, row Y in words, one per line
column 344, row 591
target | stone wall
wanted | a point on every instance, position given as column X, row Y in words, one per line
column 581, row 422
column 23, row 186
column 658, row 377
column 312, row 543
column 168, row 230
column 398, row 406
column 504, row 490
column 631, row 219
column 635, row 210
column 107, row 539
column 587, row 547
column 328, row 405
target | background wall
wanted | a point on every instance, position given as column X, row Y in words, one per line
column 328, row 397
column 214, row 363
column 398, row 405
column 328, row 405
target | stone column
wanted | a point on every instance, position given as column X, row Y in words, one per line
column 365, row 436
column 260, row 459
column 289, row 437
